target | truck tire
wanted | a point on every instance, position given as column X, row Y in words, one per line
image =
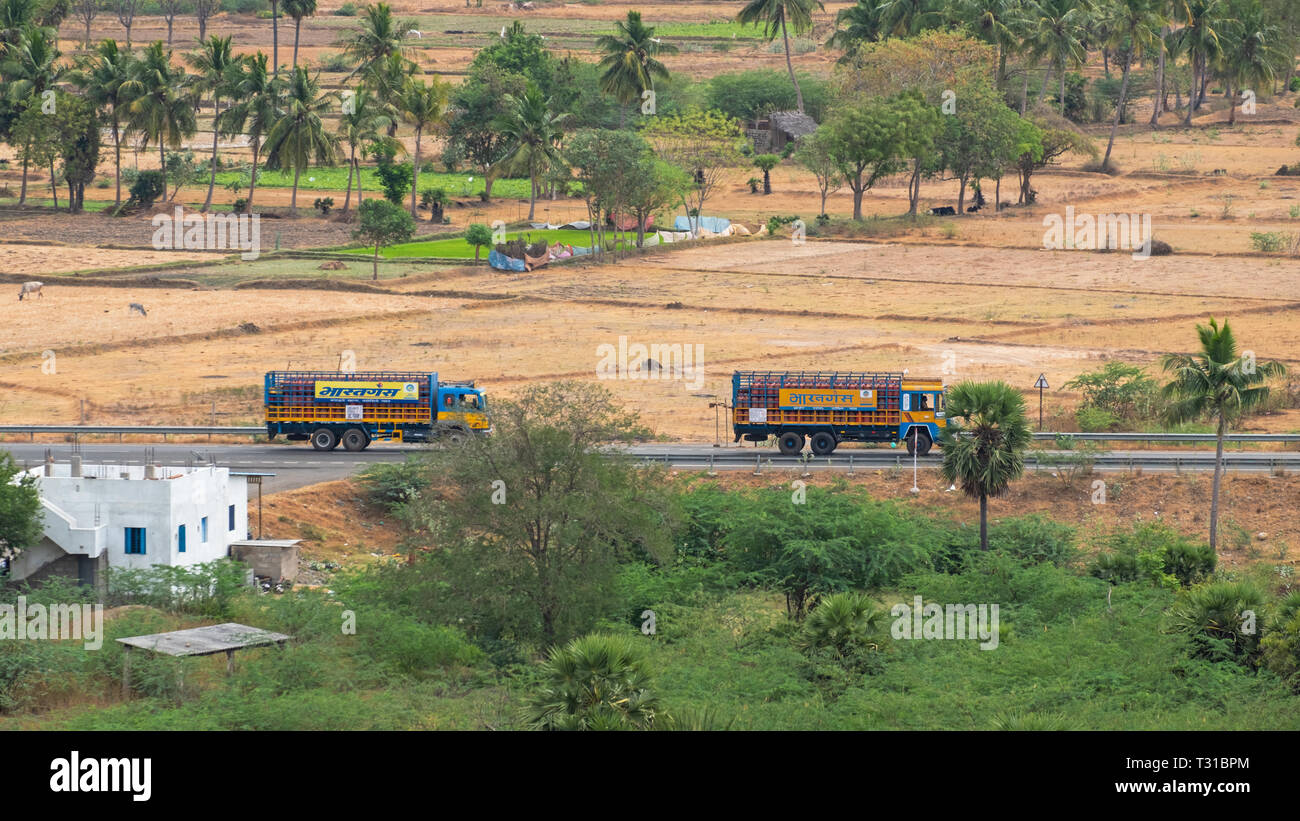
column 823, row 443
column 790, row 442
column 354, row 439
column 918, row 441
column 324, row 439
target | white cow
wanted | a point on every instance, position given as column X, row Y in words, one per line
column 30, row 288
column 419, row 35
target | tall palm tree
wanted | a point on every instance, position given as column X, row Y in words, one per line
column 359, row 124
column 905, row 18
column 275, row 37
column 387, row 79
column 596, row 682
column 629, row 66
column 380, row 37
column 1199, row 40
column 1134, row 27
column 532, row 131
column 212, row 62
column 30, row 67
column 1059, row 31
column 298, row 137
column 781, row 16
column 984, row 442
column 424, row 106
column 1220, row 382
column 995, row 22
column 101, row 77
column 298, row 9
column 855, row 25
column 1249, row 53
column 257, row 103
column 162, row 105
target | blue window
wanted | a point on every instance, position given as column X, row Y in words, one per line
column 232, row 517
column 203, row 530
column 135, row 541
column 180, row 538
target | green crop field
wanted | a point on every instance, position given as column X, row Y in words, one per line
column 458, row 248
column 336, row 179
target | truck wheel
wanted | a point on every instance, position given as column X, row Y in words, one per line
column 823, row 443
column 790, row 443
column 918, row 441
column 355, row 439
column 324, row 439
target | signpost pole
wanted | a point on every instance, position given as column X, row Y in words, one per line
column 1041, row 384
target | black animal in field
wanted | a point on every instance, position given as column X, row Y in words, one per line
column 944, row 211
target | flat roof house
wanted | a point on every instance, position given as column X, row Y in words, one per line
column 135, row 516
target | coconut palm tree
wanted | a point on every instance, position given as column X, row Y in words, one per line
column 596, row 682
column 100, row 77
column 629, row 66
column 298, row 9
column 995, row 22
column 781, row 16
column 212, row 62
column 30, row 67
column 984, row 442
column 359, row 124
column 298, row 138
column 162, row 104
column 15, row 16
column 1249, row 53
column 841, row 622
column 388, row 79
column 1134, row 27
column 1199, row 40
column 257, row 99
column 1060, row 27
column 380, row 37
column 855, row 25
column 1220, row 382
column 905, row 18
column 424, row 106
column 532, row 131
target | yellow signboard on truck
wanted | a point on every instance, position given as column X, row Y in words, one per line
column 351, row 391
column 825, row 398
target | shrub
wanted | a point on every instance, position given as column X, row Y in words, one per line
column 1217, row 616
column 147, row 187
column 1035, row 538
column 1092, row 419
column 202, row 589
column 595, row 682
column 323, row 205
column 1268, row 242
column 1281, row 647
column 346, row 10
column 392, row 484
column 1156, row 552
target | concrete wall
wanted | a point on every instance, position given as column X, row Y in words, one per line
column 269, row 561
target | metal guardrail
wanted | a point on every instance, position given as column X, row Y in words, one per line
column 1172, row 437
column 136, row 429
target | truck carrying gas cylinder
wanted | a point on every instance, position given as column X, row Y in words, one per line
column 825, row 408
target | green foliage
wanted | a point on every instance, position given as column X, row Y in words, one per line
column 346, row 10
column 20, row 510
column 382, row 223
column 147, row 188
column 1280, row 647
column 752, row 95
column 323, row 205
column 1092, row 419
column 1154, row 552
column 1222, row 618
column 201, row 589
column 394, row 178
column 596, row 682
column 1034, row 539
column 1124, row 392
column 394, row 484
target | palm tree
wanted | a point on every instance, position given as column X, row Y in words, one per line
column 359, row 124
column 596, row 682
column 994, row 22
column 213, row 62
column 101, row 78
column 30, row 67
column 1199, row 40
column 257, row 98
column 1059, row 30
column 984, row 442
column 162, row 107
column 388, row 79
column 298, row 9
column 629, row 65
column 1135, row 29
column 298, row 137
column 423, row 106
column 1249, row 53
column 855, row 25
column 841, row 623
column 275, row 37
column 532, row 132
column 904, row 18
column 380, row 37
column 15, row 16
column 782, row 15
column 1220, row 382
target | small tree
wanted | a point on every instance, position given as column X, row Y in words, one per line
column 20, row 510
column 984, row 442
column 704, row 144
column 383, row 223
column 866, row 141
column 813, row 156
column 479, row 236
column 765, row 163
column 596, row 682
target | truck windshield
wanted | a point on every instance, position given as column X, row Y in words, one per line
column 469, row 401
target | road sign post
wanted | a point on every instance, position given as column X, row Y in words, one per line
column 1041, row 384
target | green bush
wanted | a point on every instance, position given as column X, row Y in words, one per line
column 203, row 589
column 1034, row 538
column 1217, row 618
column 400, row 647
column 147, row 187
column 346, row 10
column 1155, row 552
column 1281, row 647
column 1094, row 420
column 392, row 484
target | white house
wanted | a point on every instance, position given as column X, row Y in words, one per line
column 135, row 516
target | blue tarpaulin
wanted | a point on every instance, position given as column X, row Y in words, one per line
column 502, row 262
column 715, row 224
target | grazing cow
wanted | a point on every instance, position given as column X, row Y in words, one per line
column 136, row 306
column 32, row 287
column 419, row 35
column 944, row 211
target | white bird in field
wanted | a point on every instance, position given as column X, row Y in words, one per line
column 419, row 35
column 503, row 32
